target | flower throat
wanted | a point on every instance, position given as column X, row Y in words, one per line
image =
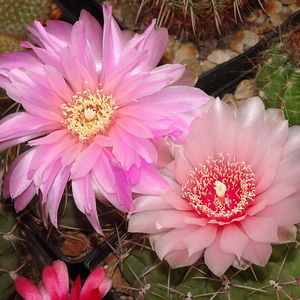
column 89, row 115
column 221, row 189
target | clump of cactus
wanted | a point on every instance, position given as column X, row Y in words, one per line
column 278, row 76
column 16, row 15
column 9, row 43
column 197, row 18
column 153, row 279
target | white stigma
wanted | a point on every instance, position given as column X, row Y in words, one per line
column 89, row 114
column 220, row 188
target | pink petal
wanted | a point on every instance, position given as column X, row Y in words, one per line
column 251, row 114
column 121, row 151
column 233, row 240
column 113, row 43
column 94, row 35
column 84, row 55
column 62, row 273
column 286, row 212
column 177, row 99
column 18, row 176
column 188, row 78
column 257, row 253
column 145, row 41
column 197, row 133
column 53, row 198
column 271, row 159
column 277, row 192
column 25, row 197
column 216, row 259
column 14, row 132
column 84, row 198
column 75, row 289
column 71, row 69
column 149, row 203
column 47, row 57
column 195, row 244
column 27, row 289
column 50, row 280
column 144, row 222
column 172, row 240
column 23, row 59
column 86, row 161
column 173, row 218
column 219, row 115
column 58, row 83
column 182, row 167
column 47, row 40
column 112, row 182
column 150, row 180
column 181, row 258
column 258, row 229
column 96, row 279
column 176, row 201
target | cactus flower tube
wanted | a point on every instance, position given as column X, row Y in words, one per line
column 94, row 102
column 235, row 190
column 55, row 285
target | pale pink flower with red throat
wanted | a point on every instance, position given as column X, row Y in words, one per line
column 55, row 285
column 97, row 101
column 235, row 190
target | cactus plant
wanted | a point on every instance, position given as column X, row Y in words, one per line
column 16, row 15
column 152, row 279
column 10, row 256
column 201, row 19
column 278, row 76
column 9, row 43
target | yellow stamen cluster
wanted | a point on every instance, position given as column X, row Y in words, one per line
column 89, row 114
column 220, row 189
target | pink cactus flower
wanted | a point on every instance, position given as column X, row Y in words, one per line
column 55, row 285
column 235, row 190
column 94, row 103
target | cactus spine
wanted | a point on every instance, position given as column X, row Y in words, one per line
column 152, row 279
column 195, row 18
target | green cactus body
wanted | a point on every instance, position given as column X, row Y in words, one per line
column 278, row 78
column 9, row 43
column 16, row 15
column 152, row 279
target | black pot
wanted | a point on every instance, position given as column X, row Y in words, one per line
column 225, row 77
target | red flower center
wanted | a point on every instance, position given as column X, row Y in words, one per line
column 221, row 189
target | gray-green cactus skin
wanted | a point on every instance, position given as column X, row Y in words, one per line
column 278, row 76
column 10, row 252
column 152, row 279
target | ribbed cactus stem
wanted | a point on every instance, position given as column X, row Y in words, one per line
column 154, row 279
column 278, row 76
column 197, row 19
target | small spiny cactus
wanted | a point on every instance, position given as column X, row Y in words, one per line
column 9, row 43
column 197, row 18
column 152, row 279
column 16, row 15
column 278, row 76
